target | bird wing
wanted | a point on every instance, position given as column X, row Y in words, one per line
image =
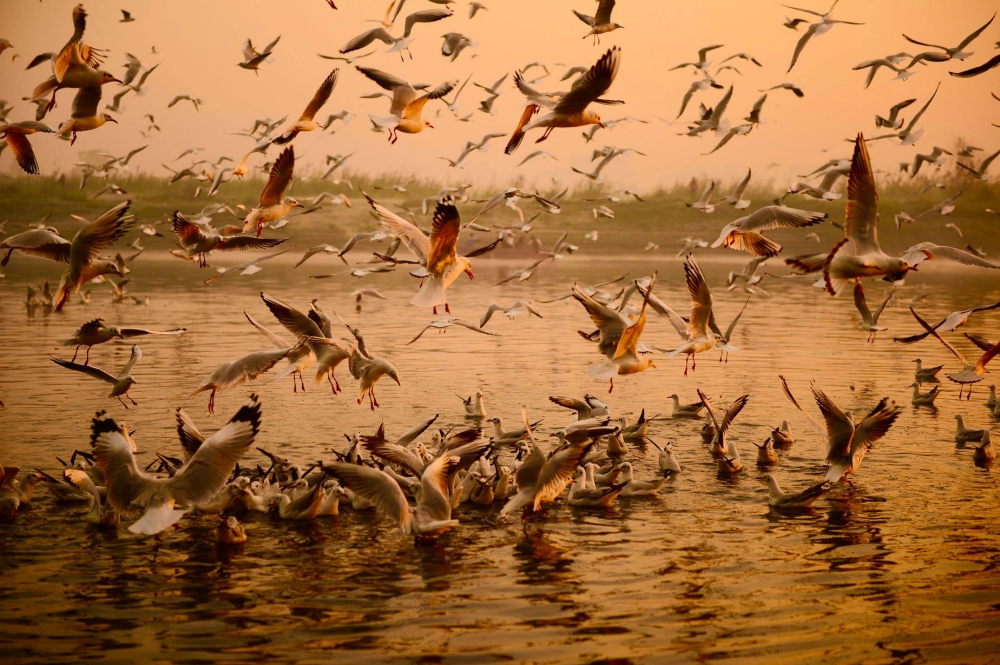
column 803, row 40
column 472, row 326
column 292, row 319
column 435, row 486
column 735, row 322
column 986, row 162
column 95, row 372
column 839, row 429
column 385, row 80
column 983, row 343
column 875, row 425
column 424, row 16
column 411, row 435
column 209, row 468
column 485, row 249
column 781, row 217
column 791, row 398
column 861, row 224
column 604, row 8
column 412, row 109
column 965, row 42
column 986, row 358
column 376, row 487
column 611, row 324
column 931, row 251
column 98, row 235
column 915, row 118
column 247, row 368
column 279, row 179
column 591, row 85
column 322, row 94
column 629, row 342
column 189, row 233
column 113, row 454
column 589, row 20
column 133, row 359
column 190, row 436
column 559, row 470
column 278, row 341
column 245, row 243
column 934, row 332
column 85, row 102
column 412, row 237
column 444, row 237
column 878, row 312
column 862, row 304
column 40, row 243
column 392, row 452
column 701, row 300
column 981, row 69
column 366, row 38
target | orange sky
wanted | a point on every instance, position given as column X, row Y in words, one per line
column 198, row 44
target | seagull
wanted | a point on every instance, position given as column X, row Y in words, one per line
column 869, row 321
column 956, row 53
column 438, row 253
column 950, row 323
column 891, row 122
column 368, row 370
column 517, row 308
column 76, row 64
column 907, row 135
column 249, row 267
column 17, row 134
column 927, row 250
column 201, row 240
column 848, row 443
column 454, row 44
column 796, row 90
column 232, row 374
column 736, row 198
column 84, row 115
column 196, row 483
column 184, row 98
column 697, row 334
column 822, row 26
column 306, row 122
column 399, row 44
column 449, row 322
column 935, row 157
column 252, row 59
column 858, row 254
column 705, row 202
column 601, row 22
column 81, row 253
column 95, row 332
column 120, row 385
column 273, row 205
column 523, row 274
column 406, row 106
column 702, row 63
column 980, row 173
column 619, row 337
column 566, row 109
column 981, row 69
column 971, row 372
column 873, row 66
column 792, row 500
column 744, row 233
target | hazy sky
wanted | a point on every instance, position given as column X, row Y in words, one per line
column 198, row 44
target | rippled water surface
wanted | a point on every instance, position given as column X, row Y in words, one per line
column 903, row 567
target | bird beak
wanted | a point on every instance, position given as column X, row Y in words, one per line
column 112, row 120
column 397, row 381
column 430, row 125
column 120, row 335
column 118, row 81
column 652, row 364
column 602, row 125
column 468, row 271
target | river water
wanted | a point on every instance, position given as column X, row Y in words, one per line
column 903, row 567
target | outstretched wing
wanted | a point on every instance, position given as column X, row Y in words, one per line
column 591, row 85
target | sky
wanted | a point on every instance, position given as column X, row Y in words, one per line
column 198, row 46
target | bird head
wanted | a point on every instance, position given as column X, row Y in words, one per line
column 294, row 203
column 618, row 26
column 108, row 77
column 394, row 376
column 428, row 124
column 115, row 332
column 108, row 118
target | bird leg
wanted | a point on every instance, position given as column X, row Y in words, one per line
column 73, row 140
column 122, row 401
column 260, row 228
column 548, row 130
column 687, row 357
column 87, row 359
column 134, row 403
column 295, row 385
column 694, row 362
column 447, row 309
column 435, row 310
column 52, row 103
column 76, row 352
column 211, row 402
column 302, row 382
column 372, row 391
column 612, row 385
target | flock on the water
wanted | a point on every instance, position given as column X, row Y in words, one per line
column 423, row 479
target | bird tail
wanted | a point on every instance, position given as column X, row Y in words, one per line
column 807, row 263
column 834, row 285
column 518, row 135
column 431, row 294
column 157, row 518
column 603, row 371
column 520, row 500
column 835, row 472
column 45, row 87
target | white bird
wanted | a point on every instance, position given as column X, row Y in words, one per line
column 869, row 321
column 698, row 334
column 120, row 385
column 234, row 373
column 705, row 202
column 970, row 372
column 793, row 500
column 736, row 198
column 848, row 443
column 744, row 233
column 252, row 59
column 957, row 53
column 517, row 308
column 820, row 27
column 406, row 106
column 201, row 240
column 166, row 500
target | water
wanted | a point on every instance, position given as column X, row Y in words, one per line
column 904, row 567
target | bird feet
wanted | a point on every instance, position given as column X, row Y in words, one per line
column 612, row 387
column 123, row 402
column 447, row 308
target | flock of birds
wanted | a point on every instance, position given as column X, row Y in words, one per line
column 422, row 483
